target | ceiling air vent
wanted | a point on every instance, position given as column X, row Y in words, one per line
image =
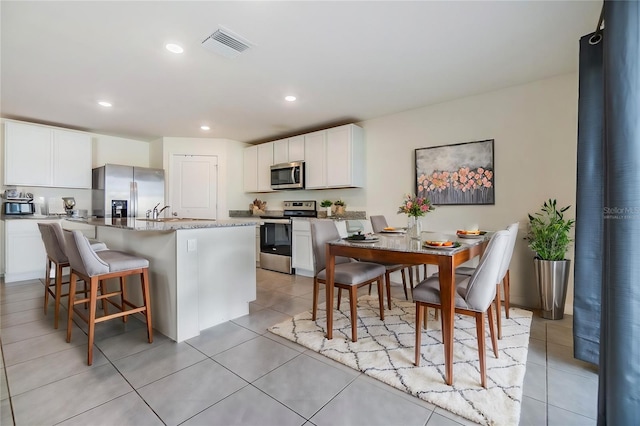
column 226, row 43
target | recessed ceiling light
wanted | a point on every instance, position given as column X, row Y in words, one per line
column 174, row 48
column 205, row 127
column 104, row 104
column 290, row 98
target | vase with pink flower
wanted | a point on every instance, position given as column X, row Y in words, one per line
column 415, row 207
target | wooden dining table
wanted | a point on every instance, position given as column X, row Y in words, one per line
column 399, row 248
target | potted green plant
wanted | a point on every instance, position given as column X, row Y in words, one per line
column 340, row 206
column 327, row 204
column 549, row 237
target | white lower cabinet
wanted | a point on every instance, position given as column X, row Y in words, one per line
column 25, row 256
column 302, row 250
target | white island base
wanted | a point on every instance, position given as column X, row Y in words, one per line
column 199, row 277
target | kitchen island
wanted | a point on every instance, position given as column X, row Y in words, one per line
column 202, row 273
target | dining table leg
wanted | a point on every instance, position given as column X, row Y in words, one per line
column 330, row 268
column 446, row 272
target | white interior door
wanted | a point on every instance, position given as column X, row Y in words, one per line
column 193, row 189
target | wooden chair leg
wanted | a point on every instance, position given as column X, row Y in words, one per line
column 339, row 297
column 506, row 284
column 436, row 314
column 481, row 348
column 424, row 270
column 404, row 283
column 419, row 317
column 58, row 287
column 103, row 290
column 381, row 297
column 494, row 342
column 387, row 278
column 144, row 277
column 93, row 300
column 47, row 281
column 123, row 296
column 411, row 276
column 72, row 297
column 316, row 289
column 498, row 311
column 370, row 289
column 353, row 302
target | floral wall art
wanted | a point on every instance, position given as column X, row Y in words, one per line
column 456, row 174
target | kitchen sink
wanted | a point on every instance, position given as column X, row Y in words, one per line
column 176, row 219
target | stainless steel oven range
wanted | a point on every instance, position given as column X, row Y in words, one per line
column 275, row 235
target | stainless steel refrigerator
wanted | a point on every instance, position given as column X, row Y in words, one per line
column 125, row 191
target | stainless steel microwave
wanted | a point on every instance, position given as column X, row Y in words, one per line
column 287, row 175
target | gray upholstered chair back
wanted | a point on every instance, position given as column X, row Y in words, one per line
column 378, row 223
column 481, row 289
column 322, row 231
column 81, row 256
column 506, row 260
column 53, row 240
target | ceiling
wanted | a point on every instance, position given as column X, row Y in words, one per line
column 345, row 61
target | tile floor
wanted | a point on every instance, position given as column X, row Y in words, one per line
column 238, row 373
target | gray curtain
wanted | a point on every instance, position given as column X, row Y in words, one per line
column 619, row 393
column 589, row 237
column 609, row 181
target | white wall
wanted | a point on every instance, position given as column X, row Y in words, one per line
column 116, row 150
column 535, row 131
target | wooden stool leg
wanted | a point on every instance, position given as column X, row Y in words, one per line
column 123, row 295
column 47, row 281
column 72, row 297
column 353, row 302
column 93, row 299
column 103, row 290
column 506, row 284
column 419, row 318
column 147, row 302
column 58, row 287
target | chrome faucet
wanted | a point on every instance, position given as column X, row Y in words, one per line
column 156, row 212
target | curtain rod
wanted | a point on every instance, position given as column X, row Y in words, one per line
column 597, row 35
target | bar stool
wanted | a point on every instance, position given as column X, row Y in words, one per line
column 95, row 267
column 53, row 239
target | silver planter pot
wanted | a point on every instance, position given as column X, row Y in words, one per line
column 552, row 277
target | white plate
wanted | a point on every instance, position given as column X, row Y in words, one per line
column 472, row 236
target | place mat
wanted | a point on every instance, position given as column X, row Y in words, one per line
column 385, row 351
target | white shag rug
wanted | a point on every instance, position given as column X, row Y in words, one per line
column 385, row 351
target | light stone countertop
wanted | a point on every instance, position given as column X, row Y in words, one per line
column 168, row 225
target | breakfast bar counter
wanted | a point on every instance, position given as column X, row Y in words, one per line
column 202, row 272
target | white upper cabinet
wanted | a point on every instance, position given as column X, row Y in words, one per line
column 71, row 159
column 265, row 161
column 288, row 150
column 335, row 158
column 44, row 156
column 315, row 151
column 27, row 155
column 250, row 182
column 345, row 157
column 257, row 167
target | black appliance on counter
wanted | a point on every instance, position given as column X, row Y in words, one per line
column 276, row 238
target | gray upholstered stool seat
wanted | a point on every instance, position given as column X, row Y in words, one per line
column 96, row 267
column 54, row 245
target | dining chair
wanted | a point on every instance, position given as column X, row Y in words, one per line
column 474, row 297
column 379, row 223
column 53, row 239
column 95, row 267
column 503, row 276
column 349, row 274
